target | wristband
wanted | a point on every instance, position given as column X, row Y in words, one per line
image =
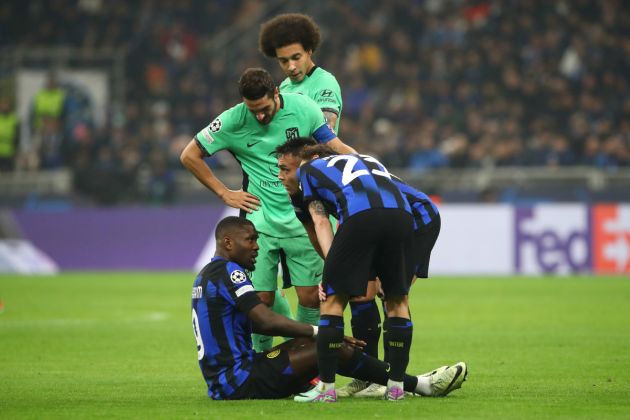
column 315, row 330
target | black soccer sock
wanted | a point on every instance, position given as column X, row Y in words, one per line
column 398, row 339
column 329, row 341
column 366, row 325
column 385, row 348
column 370, row 369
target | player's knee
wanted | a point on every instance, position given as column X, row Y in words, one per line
column 370, row 293
column 397, row 306
column 308, row 296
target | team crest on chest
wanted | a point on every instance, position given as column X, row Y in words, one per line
column 238, row 277
column 292, row 133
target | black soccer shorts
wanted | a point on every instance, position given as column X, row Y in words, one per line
column 423, row 242
column 373, row 242
column 271, row 378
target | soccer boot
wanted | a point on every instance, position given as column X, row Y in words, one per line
column 445, row 381
column 306, row 396
column 356, row 385
column 395, row 393
column 435, row 371
column 374, row 390
column 315, row 395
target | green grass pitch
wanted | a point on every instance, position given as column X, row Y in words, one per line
column 120, row 345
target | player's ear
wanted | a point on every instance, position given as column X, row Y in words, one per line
column 227, row 243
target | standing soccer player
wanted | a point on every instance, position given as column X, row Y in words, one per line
column 292, row 39
column 251, row 131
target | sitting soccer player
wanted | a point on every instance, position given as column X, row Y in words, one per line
column 225, row 312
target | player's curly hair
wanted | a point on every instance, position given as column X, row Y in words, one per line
column 286, row 29
column 320, row 150
column 256, row 83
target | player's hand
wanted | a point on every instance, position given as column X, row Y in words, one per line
column 240, row 199
column 320, row 291
column 354, row 342
column 379, row 289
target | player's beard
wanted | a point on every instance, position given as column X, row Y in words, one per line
column 269, row 117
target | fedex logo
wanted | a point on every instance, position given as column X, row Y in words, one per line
column 552, row 239
column 562, row 239
column 611, row 239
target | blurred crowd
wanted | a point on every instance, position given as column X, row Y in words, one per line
column 425, row 83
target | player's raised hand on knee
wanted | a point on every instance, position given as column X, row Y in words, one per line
column 240, row 199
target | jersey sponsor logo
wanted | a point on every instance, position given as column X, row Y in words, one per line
column 254, row 143
column 238, row 277
column 326, row 93
column 273, row 354
column 244, row 289
column 270, row 184
column 292, row 133
column 215, row 125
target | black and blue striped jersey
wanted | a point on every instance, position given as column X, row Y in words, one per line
column 420, row 203
column 350, row 184
column 222, row 294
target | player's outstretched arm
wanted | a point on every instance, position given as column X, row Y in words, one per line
column 192, row 159
column 267, row 322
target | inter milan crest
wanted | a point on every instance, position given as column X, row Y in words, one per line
column 238, row 277
column 273, row 354
column 215, row 125
column 292, row 133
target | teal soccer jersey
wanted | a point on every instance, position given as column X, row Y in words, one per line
column 253, row 145
column 322, row 87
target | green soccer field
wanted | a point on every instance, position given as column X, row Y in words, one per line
column 118, row 345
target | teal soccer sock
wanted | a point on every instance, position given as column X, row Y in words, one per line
column 307, row 315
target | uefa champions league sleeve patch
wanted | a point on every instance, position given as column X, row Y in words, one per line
column 238, row 277
column 215, row 125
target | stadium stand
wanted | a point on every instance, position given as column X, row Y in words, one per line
column 459, row 84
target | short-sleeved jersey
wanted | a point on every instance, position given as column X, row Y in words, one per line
column 253, row 145
column 222, row 295
column 350, row 184
column 322, row 87
column 419, row 202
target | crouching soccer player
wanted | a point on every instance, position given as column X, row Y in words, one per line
column 426, row 230
column 375, row 236
column 225, row 311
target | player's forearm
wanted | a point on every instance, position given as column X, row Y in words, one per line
column 324, row 234
column 192, row 159
column 275, row 324
column 312, row 236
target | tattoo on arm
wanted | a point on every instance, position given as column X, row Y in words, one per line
column 331, row 119
column 318, row 208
